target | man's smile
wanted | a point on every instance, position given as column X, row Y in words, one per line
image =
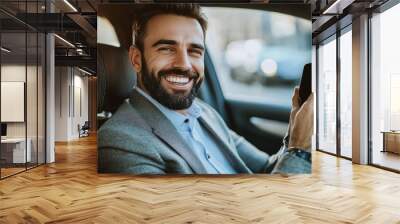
column 178, row 82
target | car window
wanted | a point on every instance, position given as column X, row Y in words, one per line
column 257, row 53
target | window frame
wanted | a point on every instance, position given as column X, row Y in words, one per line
column 333, row 37
column 380, row 9
column 28, row 29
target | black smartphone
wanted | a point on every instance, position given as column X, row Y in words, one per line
column 305, row 83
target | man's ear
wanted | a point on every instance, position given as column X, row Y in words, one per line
column 136, row 58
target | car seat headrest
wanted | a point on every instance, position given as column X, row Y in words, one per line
column 116, row 77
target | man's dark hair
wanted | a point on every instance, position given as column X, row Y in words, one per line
column 147, row 11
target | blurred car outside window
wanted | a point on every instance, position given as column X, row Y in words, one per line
column 257, row 53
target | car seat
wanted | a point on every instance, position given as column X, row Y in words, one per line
column 115, row 79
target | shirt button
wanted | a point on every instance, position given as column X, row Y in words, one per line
column 208, row 156
column 186, row 120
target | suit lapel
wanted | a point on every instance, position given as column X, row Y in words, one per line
column 227, row 149
column 165, row 130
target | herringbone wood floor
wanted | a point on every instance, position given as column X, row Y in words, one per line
column 71, row 191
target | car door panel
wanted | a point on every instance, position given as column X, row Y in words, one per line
column 261, row 123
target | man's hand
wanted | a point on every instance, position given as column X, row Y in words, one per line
column 301, row 122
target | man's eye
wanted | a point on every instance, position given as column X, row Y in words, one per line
column 196, row 52
column 166, row 49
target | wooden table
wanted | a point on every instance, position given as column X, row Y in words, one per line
column 391, row 141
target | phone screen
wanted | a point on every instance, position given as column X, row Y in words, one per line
column 305, row 84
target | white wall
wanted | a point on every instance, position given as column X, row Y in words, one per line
column 33, row 127
column 16, row 73
column 62, row 81
column 79, row 103
column 71, row 93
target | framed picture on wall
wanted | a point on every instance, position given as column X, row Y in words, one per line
column 12, row 101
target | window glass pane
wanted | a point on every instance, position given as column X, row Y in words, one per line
column 32, row 85
column 258, row 53
column 327, row 97
column 346, row 94
column 385, row 86
column 22, row 88
column 13, row 87
column 31, row 97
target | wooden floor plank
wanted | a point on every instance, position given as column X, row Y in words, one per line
column 71, row 191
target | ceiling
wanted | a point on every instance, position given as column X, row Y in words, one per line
column 76, row 21
column 328, row 16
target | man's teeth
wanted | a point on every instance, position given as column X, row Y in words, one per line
column 177, row 79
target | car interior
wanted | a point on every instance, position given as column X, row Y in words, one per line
column 116, row 78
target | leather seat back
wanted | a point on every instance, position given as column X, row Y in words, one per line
column 116, row 77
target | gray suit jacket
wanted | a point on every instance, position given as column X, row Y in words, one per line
column 139, row 139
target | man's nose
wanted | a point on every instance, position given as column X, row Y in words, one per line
column 182, row 60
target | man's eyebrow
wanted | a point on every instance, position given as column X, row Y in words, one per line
column 200, row 46
column 173, row 42
column 164, row 41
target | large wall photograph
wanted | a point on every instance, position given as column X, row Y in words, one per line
column 204, row 89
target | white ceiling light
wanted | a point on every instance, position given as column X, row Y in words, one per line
column 84, row 71
column 70, row 5
column 338, row 6
column 65, row 41
column 5, row 50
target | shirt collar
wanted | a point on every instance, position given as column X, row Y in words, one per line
column 177, row 119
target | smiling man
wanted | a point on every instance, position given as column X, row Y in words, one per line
column 169, row 59
column 164, row 128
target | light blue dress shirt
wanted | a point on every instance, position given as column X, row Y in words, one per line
column 196, row 136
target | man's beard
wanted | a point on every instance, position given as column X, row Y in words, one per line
column 174, row 101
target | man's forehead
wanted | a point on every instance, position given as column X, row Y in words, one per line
column 174, row 27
